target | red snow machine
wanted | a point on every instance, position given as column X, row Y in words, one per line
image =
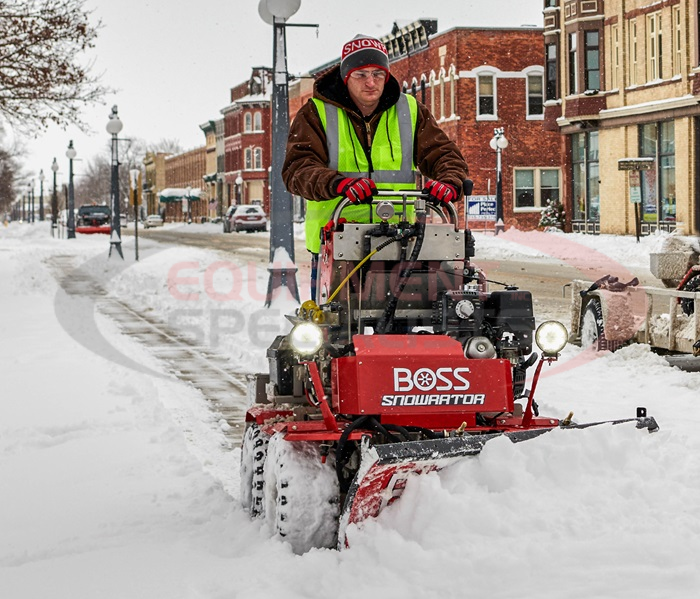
column 406, row 364
column 93, row 219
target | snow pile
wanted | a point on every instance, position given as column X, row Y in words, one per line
column 117, row 483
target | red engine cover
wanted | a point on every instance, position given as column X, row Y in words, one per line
column 421, row 376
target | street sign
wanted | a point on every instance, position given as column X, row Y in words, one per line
column 635, row 164
column 635, row 187
column 481, row 208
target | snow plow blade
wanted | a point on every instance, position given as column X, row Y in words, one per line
column 384, row 469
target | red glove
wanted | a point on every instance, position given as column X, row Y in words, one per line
column 442, row 192
column 358, row 191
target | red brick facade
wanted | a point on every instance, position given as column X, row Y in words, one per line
column 186, row 170
column 445, row 78
column 248, row 143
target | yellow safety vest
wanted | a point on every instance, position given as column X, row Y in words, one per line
column 392, row 159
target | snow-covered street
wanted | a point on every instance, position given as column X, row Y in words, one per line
column 117, row 480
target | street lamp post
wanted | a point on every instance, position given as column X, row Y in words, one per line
column 41, row 194
column 276, row 13
column 54, row 199
column 24, row 207
column 70, row 154
column 114, row 126
column 31, row 201
column 499, row 143
column 239, row 189
column 134, row 172
column 188, row 190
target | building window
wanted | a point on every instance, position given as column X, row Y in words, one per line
column 697, row 37
column 248, row 159
column 414, row 88
column 258, row 158
column 657, row 141
column 633, row 52
column 422, row 89
column 677, row 40
column 550, row 3
column 534, row 187
column 592, row 50
column 585, row 176
column 654, row 46
column 573, row 64
column 486, row 101
column 614, row 72
column 535, row 105
column 452, row 90
column 432, row 92
column 257, row 122
column 551, row 74
column 442, row 93
column 248, row 122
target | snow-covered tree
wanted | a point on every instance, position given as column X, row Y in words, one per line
column 552, row 215
column 41, row 78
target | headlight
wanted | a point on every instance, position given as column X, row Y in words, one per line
column 551, row 337
column 306, row 338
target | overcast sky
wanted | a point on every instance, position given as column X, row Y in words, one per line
column 173, row 62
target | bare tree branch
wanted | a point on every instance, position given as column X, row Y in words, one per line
column 41, row 80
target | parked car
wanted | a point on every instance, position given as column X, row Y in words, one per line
column 249, row 218
column 153, row 220
column 227, row 218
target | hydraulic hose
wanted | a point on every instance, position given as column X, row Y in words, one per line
column 385, row 324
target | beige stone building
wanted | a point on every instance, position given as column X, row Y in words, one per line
column 622, row 85
column 154, row 166
column 209, row 181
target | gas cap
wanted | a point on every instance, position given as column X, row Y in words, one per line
column 385, row 210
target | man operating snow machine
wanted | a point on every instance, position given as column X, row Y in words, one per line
column 359, row 134
column 407, row 364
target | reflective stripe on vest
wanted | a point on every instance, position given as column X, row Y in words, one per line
column 391, row 153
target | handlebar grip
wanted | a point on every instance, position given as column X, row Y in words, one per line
column 468, row 187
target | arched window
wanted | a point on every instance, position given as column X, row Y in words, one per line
column 404, row 87
column 258, row 158
column 486, row 96
column 248, row 122
column 414, row 87
column 432, row 92
column 257, row 121
column 534, row 82
column 452, row 75
column 248, row 159
column 422, row 89
column 442, row 93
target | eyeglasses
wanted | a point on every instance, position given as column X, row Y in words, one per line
column 364, row 75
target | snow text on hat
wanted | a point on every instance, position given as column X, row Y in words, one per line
column 363, row 51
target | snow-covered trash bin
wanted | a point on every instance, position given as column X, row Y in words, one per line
column 672, row 261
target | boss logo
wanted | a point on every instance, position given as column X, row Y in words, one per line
column 426, row 379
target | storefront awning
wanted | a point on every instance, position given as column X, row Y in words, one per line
column 177, row 194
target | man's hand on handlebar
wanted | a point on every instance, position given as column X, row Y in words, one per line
column 358, row 191
column 442, row 192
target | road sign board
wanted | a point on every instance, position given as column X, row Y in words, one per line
column 481, row 208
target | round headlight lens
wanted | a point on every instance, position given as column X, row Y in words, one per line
column 306, row 338
column 551, row 337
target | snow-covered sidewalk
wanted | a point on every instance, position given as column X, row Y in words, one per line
column 115, row 483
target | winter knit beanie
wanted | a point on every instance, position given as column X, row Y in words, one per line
column 360, row 52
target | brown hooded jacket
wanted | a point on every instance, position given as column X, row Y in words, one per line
column 305, row 171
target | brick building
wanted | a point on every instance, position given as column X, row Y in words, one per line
column 622, row 87
column 476, row 79
column 154, row 167
column 210, row 179
column 183, row 171
column 247, row 140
